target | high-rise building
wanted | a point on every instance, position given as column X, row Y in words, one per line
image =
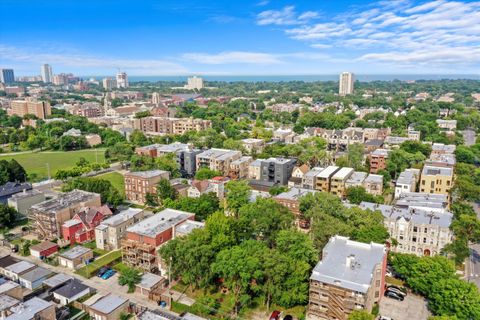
column 156, row 98
column 122, row 80
column 46, row 71
column 7, row 76
column 60, row 79
column 109, row 83
column 346, row 83
column 40, row 109
column 194, row 83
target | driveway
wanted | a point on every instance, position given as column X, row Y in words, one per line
column 412, row 308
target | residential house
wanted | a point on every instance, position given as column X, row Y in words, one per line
column 277, row 170
column 187, row 161
column 407, row 181
column 111, row 230
column 309, row 178
column 14, row 271
column 139, row 184
column 323, row 179
column 448, row 125
column 378, row 160
column 254, row 169
column 150, row 283
column 71, row 291
column 239, row 168
column 11, row 289
column 338, row 180
column 199, row 187
column 350, row 277
column 108, row 307
column 437, row 180
column 356, row 179
column 34, row 278
column 32, row 309
column 81, row 228
column 373, row 184
column 217, row 159
column 252, row 145
column 298, row 172
column 440, row 148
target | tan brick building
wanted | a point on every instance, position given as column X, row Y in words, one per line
column 40, row 109
column 138, row 184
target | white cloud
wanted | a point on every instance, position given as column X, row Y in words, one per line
column 232, row 57
column 79, row 61
column 285, row 16
column 444, row 31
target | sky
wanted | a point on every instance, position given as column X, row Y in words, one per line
column 260, row 37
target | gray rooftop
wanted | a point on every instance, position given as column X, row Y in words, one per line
column 348, row 264
column 422, row 199
column 149, row 280
column 380, row 152
column 28, row 309
column 36, row 274
column 148, row 174
column 26, row 194
column 446, row 148
column 294, row 194
column 374, row 178
column 416, row 215
column 173, row 147
column 437, row 171
column 20, row 267
column 215, row 153
column 108, row 303
column 7, row 286
column 327, row 172
column 71, row 289
column 357, row 178
column 120, row 217
column 75, row 252
column 6, row 302
column 188, row 226
column 64, row 200
column 342, row 173
column 313, row 172
column 159, row 222
column 278, row 160
column 57, row 279
column 408, row 176
column 241, row 160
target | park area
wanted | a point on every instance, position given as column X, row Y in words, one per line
column 36, row 163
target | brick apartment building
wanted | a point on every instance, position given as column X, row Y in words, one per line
column 138, row 184
column 40, row 109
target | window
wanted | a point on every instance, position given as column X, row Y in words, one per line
column 414, row 239
column 415, row 229
column 424, row 240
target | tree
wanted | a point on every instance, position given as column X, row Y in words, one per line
column 206, row 173
column 165, row 190
column 412, row 146
column 296, row 245
column 361, row 315
column 168, row 163
column 108, row 193
column 137, row 138
column 7, row 215
column 238, row 195
column 263, row 219
column 203, row 206
column 129, row 277
column 358, row 194
column 276, row 190
column 455, row 297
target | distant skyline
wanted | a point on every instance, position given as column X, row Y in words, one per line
column 226, row 38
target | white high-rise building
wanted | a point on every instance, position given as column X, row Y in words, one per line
column 156, row 98
column 194, row 83
column 122, row 80
column 109, row 83
column 46, row 72
column 346, row 83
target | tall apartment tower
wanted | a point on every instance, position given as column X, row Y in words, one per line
column 109, row 83
column 7, row 76
column 194, row 83
column 122, row 80
column 346, row 83
column 156, row 98
column 46, row 71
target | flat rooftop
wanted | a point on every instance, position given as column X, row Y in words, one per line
column 348, row 264
column 380, row 152
column 120, row 217
column 20, row 267
column 408, row 176
column 7, row 286
column 160, row 222
column 65, row 200
column 445, row 148
column 357, row 177
column 173, row 147
column 28, row 309
column 148, row 174
column 294, row 194
column 6, row 302
column 327, row 172
column 374, row 178
column 26, row 194
column 342, row 173
column 57, row 280
column 149, row 280
column 188, row 226
column 36, row 274
column 313, row 172
column 278, row 160
column 437, row 171
column 75, row 252
column 108, row 303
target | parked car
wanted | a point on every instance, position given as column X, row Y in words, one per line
column 393, row 295
column 102, row 271
column 397, row 291
column 275, row 315
column 384, row 318
column 108, row 274
column 402, row 289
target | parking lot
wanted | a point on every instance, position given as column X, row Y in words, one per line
column 412, row 308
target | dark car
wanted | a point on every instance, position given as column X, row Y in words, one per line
column 275, row 315
column 397, row 291
column 393, row 295
column 288, row 317
column 102, row 271
column 402, row 289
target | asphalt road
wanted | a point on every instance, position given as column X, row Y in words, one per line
column 473, row 264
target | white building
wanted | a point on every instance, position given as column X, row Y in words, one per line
column 122, row 80
column 407, row 182
column 156, row 98
column 346, row 83
column 46, row 71
column 194, row 83
column 109, row 83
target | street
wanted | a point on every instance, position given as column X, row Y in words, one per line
column 473, row 263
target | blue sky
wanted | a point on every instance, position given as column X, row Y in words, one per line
column 240, row 37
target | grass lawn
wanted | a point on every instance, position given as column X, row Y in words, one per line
column 394, row 281
column 89, row 270
column 93, row 245
column 35, row 163
column 116, row 179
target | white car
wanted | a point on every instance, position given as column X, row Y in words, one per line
column 384, row 318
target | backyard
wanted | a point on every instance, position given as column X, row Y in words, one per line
column 35, row 163
column 113, row 257
column 116, row 179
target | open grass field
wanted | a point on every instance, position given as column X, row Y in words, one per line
column 116, row 179
column 35, row 163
